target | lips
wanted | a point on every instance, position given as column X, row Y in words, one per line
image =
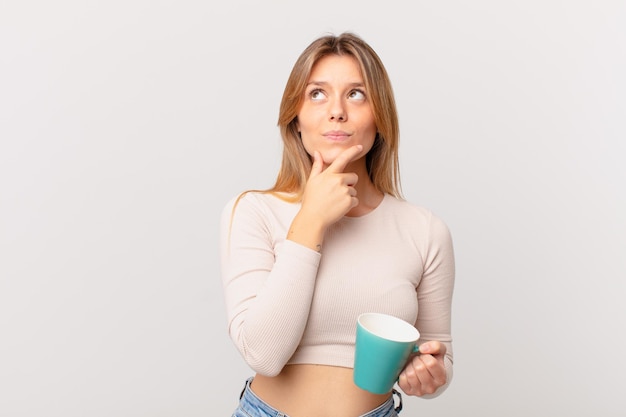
column 336, row 135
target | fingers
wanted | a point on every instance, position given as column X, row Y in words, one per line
column 425, row 372
column 433, row 348
column 344, row 158
column 422, row 376
column 318, row 164
column 349, row 179
column 329, row 193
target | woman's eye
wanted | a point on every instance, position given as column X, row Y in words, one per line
column 316, row 95
column 357, row 95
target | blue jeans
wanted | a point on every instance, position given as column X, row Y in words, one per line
column 252, row 406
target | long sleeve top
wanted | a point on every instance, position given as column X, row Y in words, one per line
column 288, row 304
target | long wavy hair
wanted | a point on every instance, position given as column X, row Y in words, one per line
column 382, row 159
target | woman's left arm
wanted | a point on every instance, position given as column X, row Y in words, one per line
column 429, row 373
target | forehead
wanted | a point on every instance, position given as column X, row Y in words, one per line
column 336, row 68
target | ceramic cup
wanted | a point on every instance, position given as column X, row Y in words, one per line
column 383, row 346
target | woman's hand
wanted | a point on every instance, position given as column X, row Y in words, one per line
column 329, row 193
column 424, row 372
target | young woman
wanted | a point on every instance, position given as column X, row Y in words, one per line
column 333, row 238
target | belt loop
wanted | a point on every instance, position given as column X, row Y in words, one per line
column 244, row 389
column 399, row 407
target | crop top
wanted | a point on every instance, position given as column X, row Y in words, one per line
column 288, row 304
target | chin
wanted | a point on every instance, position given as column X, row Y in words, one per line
column 330, row 156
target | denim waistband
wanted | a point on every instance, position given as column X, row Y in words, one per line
column 254, row 406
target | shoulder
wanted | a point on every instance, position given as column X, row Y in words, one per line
column 418, row 215
column 403, row 206
column 259, row 198
column 256, row 203
column 400, row 207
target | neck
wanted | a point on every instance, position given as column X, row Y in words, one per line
column 369, row 197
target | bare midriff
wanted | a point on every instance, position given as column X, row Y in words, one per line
column 315, row 391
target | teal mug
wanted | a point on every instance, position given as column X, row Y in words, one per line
column 383, row 346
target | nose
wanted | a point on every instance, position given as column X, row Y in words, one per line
column 337, row 117
column 337, row 111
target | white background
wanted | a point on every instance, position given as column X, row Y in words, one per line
column 126, row 125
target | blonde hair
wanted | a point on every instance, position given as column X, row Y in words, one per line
column 381, row 161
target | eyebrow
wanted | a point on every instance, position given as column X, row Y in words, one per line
column 354, row 84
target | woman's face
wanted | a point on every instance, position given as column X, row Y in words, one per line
column 336, row 111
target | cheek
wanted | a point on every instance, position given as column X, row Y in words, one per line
column 307, row 135
column 308, row 145
column 306, row 121
column 369, row 137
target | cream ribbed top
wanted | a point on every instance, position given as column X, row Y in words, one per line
column 288, row 304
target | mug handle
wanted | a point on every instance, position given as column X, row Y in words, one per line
column 416, row 349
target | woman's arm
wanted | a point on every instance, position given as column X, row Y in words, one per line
column 429, row 373
column 268, row 290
